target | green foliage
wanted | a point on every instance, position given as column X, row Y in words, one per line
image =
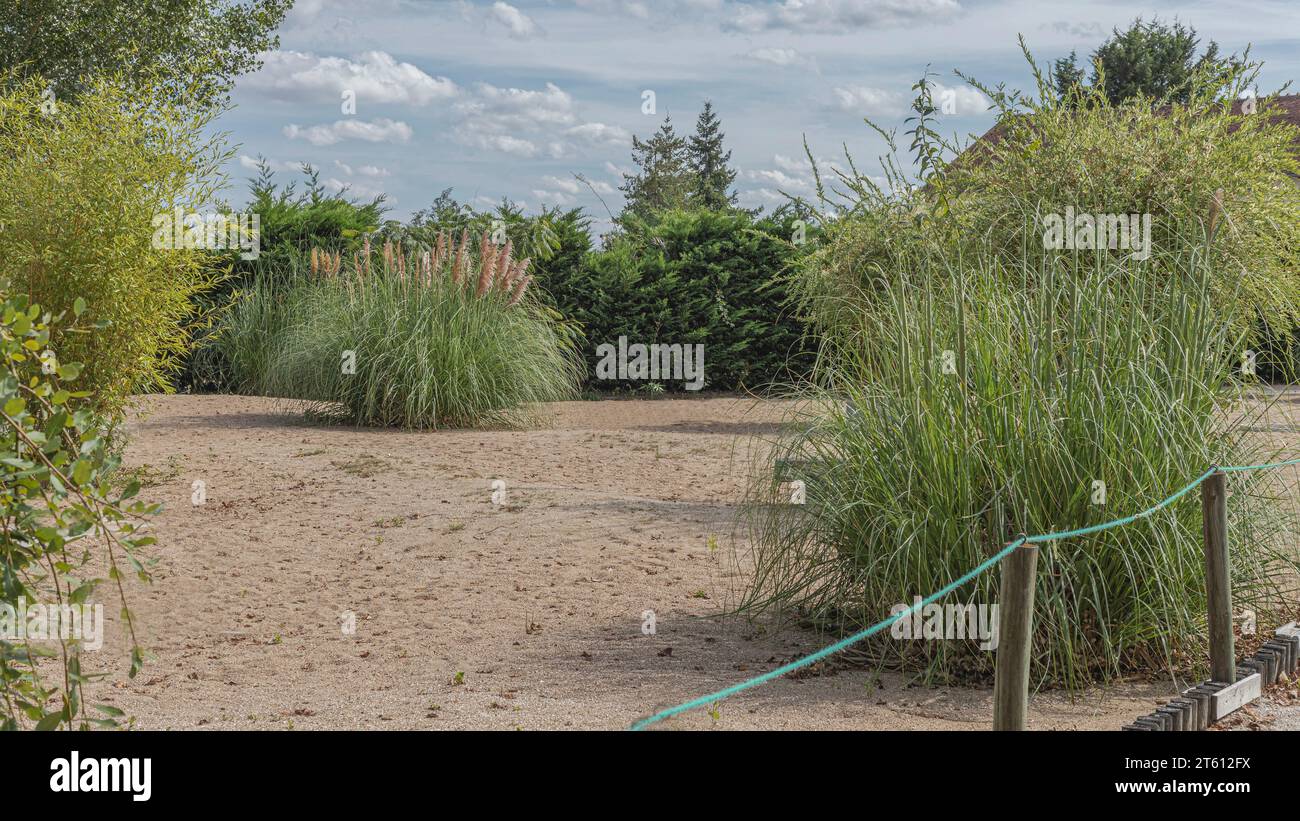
column 570, row 242
column 65, row 521
column 551, row 239
column 80, row 187
column 663, row 181
column 1136, row 158
column 675, row 173
column 234, row 355
column 1066, row 368
column 1146, row 60
column 200, row 47
column 710, row 164
column 1047, row 155
column 398, row 344
column 1067, row 74
column 714, row 278
column 917, row 472
column 291, row 223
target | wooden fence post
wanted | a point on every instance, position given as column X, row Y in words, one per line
column 1015, row 634
column 1218, row 577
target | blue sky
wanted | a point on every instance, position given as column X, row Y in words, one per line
column 513, row 99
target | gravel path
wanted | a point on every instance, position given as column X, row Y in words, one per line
column 521, row 612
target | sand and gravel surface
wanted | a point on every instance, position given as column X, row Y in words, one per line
column 523, row 610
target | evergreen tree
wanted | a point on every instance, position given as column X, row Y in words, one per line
column 663, row 179
column 1148, row 58
column 713, row 177
column 1066, row 74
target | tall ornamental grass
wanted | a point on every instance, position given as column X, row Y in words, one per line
column 443, row 337
column 1048, row 152
column 976, row 382
column 970, row 409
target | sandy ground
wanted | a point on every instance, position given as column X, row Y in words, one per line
column 524, row 612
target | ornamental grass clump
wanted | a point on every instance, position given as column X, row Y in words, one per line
column 445, row 336
column 969, row 410
column 978, row 380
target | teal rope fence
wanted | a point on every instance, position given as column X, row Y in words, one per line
column 711, row 698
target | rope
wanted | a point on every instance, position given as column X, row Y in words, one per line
column 704, row 701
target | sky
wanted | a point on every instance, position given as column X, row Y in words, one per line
column 498, row 99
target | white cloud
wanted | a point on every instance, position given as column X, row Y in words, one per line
column 512, row 108
column 500, row 142
column 866, row 100
column 374, row 76
column 361, row 190
column 307, row 12
column 600, row 133
column 518, row 25
column 529, row 123
column 364, row 170
column 780, row 179
column 554, row 197
column 838, row 16
column 569, row 186
column 1086, row 31
column 792, row 175
column 641, row 9
column 382, row 130
column 783, row 57
column 251, row 163
column 959, row 101
column 796, row 164
column 965, row 101
column 572, row 186
column 767, row 195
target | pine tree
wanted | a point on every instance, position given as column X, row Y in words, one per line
column 663, row 180
column 713, row 177
column 1153, row 58
column 1066, row 74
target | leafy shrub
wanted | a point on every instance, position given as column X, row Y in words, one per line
column 553, row 239
column 439, row 338
column 291, row 224
column 712, row 278
column 715, row 278
column 294, row 222
column 234, row 354
column 64, row 521
column 688, row 277
column 80, row 185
